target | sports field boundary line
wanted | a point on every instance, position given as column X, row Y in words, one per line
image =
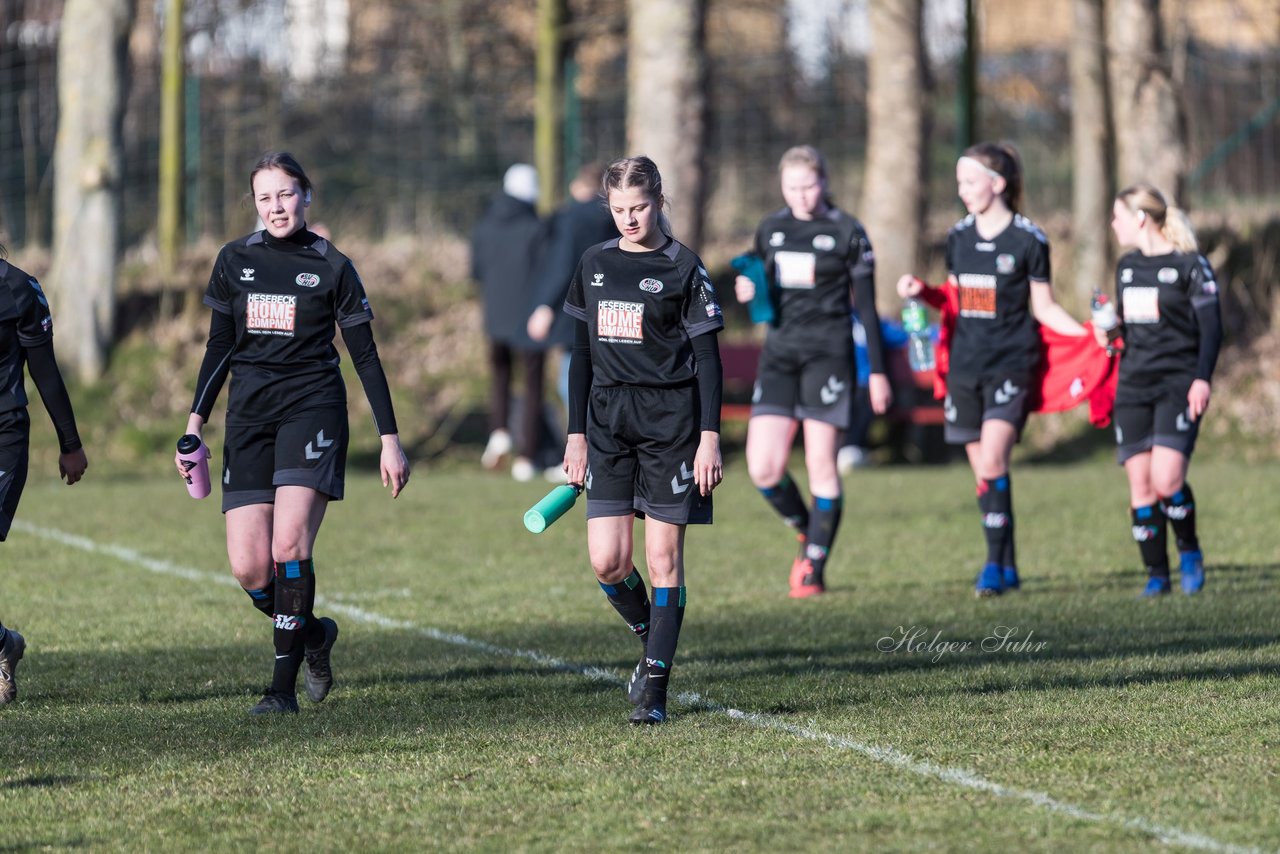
column 889, row 756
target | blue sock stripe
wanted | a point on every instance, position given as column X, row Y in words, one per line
column 609, row 589
column 257, row 594
column 1143, row 512
column 1002, row 483
column 663, row 596
column 826, row 503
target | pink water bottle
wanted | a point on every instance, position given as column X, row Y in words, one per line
column 195, row 460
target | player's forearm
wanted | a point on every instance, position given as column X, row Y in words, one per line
column 43, row 366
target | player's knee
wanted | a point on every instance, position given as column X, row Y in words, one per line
column 610, row 569
column 1166, row 483
column 286, row 547
column 765, row 473
column 252, row 575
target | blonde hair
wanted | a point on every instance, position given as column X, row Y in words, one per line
column 638, row 171
column 1003, row 160
column 1172, row 221
column 810, row 158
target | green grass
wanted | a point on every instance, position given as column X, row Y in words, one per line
column 1140, row 720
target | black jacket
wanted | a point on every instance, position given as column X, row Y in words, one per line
column 504, row 248
column 575, row 228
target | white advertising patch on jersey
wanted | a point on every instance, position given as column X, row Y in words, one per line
column 1141, row 305
column 977, row 295
column 620, row 322
column 271, row 314
column 796, row 269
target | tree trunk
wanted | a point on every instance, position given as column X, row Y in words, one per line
column 550, row 91
column 892, row 203
column 92, row 68
column 173, row 77
column 1090, row 161
column 1146, row 110
column 666, row 102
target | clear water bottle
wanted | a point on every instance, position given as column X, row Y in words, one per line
column 1103, row 314
column 915, row 322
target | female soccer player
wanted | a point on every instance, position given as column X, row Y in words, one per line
column 644, row 414
column 820, row 258
column 26, row 334
column 276, row 295
column 999, row 262
column 1168, row 306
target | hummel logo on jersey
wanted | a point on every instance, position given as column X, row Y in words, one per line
column 307, row 280
column 777, row 238
column 830, row 392
column 1182, row 424
column 598, row 280
column 1126, row 275
column 1007, row 392
column 246, row 274
column 650, row 286
column 321, row 443
column 677, row 481
column 949, row 411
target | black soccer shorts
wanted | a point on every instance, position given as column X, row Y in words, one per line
column 967, row 405
column 307, row 448
column 1164, row 419
column 640, row 447
column 806, row 383
column 15, row 440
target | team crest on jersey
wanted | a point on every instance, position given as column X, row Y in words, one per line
column 777, row 238
column 824, row 243
column 598, row 280
column 307, row 280
column 620, row 322
column 1126, row 275
column 1004, row 264
column 1167, row 275
column 270, row 314
column 650, row 286
column 246, row 274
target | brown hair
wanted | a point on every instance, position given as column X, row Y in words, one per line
column 285, row 162
column 1002, row 159
column 808, row 156
column 638, row 171
column 1170, row 219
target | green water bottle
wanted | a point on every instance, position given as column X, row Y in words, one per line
column 552, row 506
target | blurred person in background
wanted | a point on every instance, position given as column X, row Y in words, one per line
column 1167, row 304
column 999, row 262
column 821, row 261
column 580, row 223
column 276, row 296
column 26, row 336
column 644, row 415
column 504, row 248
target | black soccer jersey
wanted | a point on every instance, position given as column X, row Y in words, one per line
column 24, row 322
column 285, row 296
column 641, row 310
column 1162, row 301
column 814, row 263
column 995, row 332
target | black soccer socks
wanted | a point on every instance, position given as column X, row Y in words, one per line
column 295, row 597
column 1149, row 532
column 264, row 599
column 995, row 502
column 784, row 498
column 824, row 521
column 665, row 616
column 1180, row 509
column 631, row 600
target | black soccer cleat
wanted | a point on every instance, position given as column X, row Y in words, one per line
column 636, row 684
column 651, row 710
column 275, row 702
column 317, row 673
column 10, row 654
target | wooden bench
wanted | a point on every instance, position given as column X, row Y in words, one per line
column 740, row 361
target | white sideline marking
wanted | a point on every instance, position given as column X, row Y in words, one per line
column 885, row 755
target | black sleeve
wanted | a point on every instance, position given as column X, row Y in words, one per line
column 216, row 363
column 864, row 300
column 1210, row 319
column 53, row 391
column 706, row 352
column 364, row 355
column 579, row 378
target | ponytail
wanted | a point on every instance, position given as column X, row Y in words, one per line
column 1178, row 231
column 1172, row 221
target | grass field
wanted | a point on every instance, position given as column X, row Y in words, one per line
column 480, row 674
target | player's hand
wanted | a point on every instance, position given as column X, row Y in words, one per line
column 708, row 467
column 744, row 289
column 539, row 324
column 881, row 393
column 1100, row 336
column 195, row 427
column 71, row 465
column 909, row 286
column 575, row 458
column 1198, row 399
column 393, row 464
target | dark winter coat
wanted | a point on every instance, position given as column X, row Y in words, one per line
column 575, row 228
column 504, row 248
